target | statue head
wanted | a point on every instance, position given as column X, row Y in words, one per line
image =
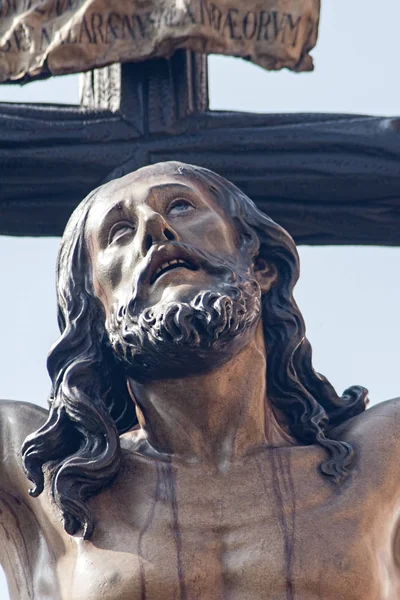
column 162, row 273
column 174, row 276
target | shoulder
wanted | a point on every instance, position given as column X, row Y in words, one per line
column 375, row 434
column 381, row 420
column 17, row 420
column 20, row 418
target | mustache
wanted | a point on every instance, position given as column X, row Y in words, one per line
column 226, row 270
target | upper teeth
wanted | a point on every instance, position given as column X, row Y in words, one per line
column 165, row 265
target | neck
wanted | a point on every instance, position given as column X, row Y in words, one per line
column 216, row 417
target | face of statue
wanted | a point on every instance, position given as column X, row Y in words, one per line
column 169, row 273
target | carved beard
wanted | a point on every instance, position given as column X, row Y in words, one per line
column 174, row 339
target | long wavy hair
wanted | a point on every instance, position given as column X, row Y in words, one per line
column 90, row 405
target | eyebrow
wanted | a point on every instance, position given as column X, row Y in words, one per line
column 116, row 208
column 171, row 186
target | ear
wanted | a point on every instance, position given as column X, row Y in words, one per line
column 265, row 273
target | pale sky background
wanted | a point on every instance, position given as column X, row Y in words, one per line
column 348, row 295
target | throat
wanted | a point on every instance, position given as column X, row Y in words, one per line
column 218, row 416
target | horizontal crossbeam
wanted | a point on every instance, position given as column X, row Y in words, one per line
column 328, row 179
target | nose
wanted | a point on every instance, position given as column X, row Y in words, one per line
column 155, row 231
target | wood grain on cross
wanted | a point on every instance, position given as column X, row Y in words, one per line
column 328, row 179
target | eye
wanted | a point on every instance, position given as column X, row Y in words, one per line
column 179, row 207
column 120, row 230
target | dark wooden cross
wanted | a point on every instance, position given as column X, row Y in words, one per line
column 327, row 178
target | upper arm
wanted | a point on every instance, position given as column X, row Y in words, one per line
column 17, row 420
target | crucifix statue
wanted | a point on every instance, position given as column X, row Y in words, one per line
column 190, row 449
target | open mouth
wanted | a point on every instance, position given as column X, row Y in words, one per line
column 176, row 263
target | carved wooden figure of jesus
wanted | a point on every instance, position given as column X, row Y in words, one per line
column 190, row 450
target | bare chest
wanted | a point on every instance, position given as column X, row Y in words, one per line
column 263, row 533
